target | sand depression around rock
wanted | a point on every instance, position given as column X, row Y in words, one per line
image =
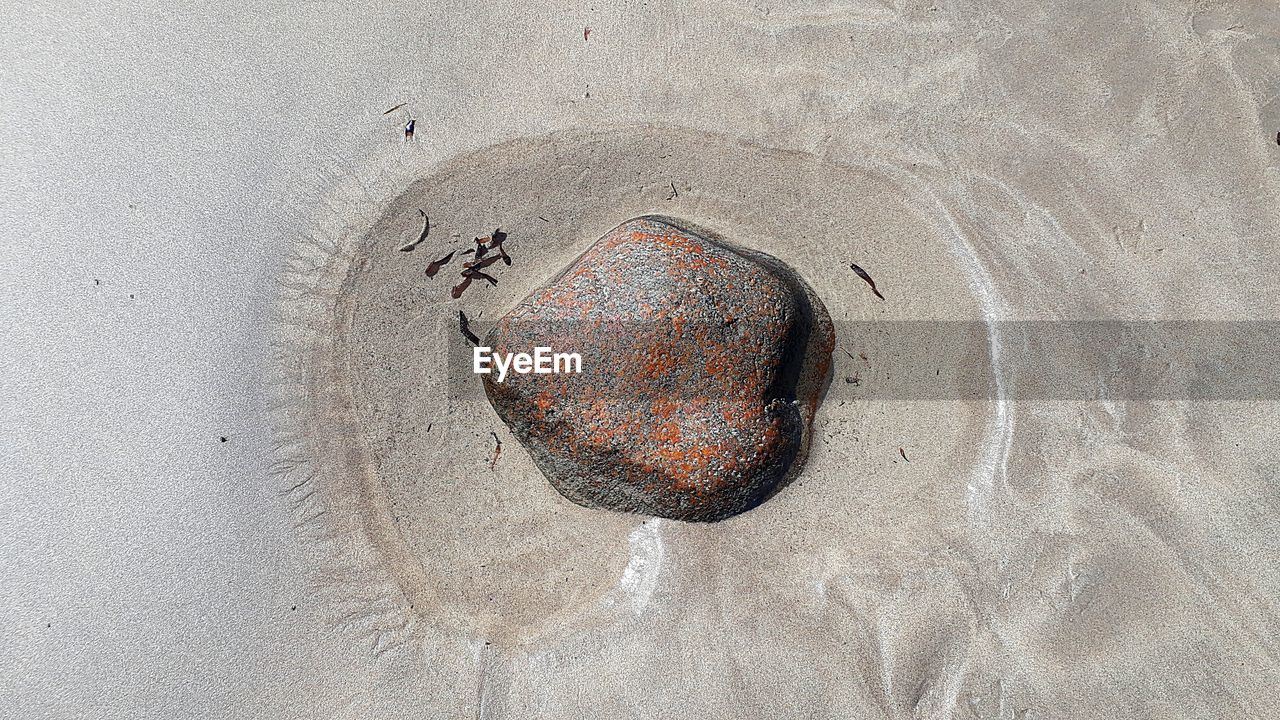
column 452, row 532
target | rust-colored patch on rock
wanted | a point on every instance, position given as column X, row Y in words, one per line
column 702, row 366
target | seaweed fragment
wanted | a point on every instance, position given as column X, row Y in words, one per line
column 435, row 265
column 465, row 326
column 867, row 277
column 460, row 288
column 482, row 264
column 471, row 273
column 487, row 251
column 497, row 450
column 495, row 243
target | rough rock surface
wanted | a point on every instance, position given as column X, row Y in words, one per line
column 702, row 365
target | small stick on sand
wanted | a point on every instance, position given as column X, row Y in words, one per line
column 495, row 243
column 470, row 273
column 863, row 274
column 394, row 109
column 460, row 288
column 465, row 326
column 497, row 450
column 481, row 264
column 426, row 228
column 674, row 192
column 903, row 453
column 473, row 269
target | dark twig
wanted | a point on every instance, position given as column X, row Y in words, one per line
column 471, row 273
column 460, row 288
column 863, row 274
column 482, row 264
column 465, row 326
column 497, row 450
column 500, row 237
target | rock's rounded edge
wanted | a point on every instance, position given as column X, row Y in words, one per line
column 801, row 387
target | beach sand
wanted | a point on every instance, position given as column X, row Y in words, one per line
column 252, row 476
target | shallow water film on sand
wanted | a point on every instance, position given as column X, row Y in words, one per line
column 922, row 560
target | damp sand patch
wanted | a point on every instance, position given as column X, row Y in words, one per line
column 396, row 460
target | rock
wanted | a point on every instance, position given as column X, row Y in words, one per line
column 702, row 365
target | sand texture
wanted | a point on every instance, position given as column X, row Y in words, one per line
column 250, row 473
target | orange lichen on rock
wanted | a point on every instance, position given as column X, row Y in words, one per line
column 702, row 366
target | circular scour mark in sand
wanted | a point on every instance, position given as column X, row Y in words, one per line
column 694, row 398
column 389, row 449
